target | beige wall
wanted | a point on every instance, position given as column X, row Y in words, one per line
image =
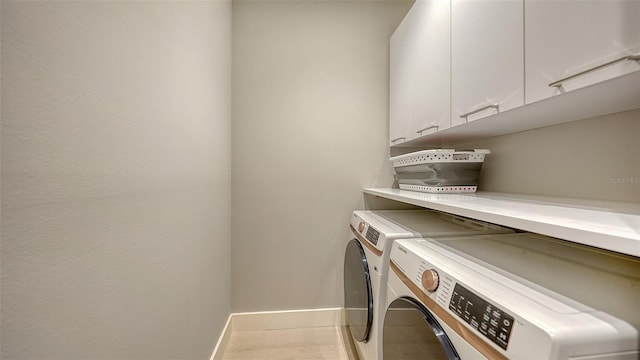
column 595, row 158
column 115, row 179
column 310, row 95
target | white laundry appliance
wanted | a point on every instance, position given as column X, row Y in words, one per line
column 366, row 264
column 519, row 296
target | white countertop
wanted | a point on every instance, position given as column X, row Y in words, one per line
column 608, row 225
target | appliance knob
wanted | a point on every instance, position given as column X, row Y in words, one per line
column 361, row 226
column 430, row 279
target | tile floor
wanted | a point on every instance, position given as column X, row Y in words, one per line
column 329, row 343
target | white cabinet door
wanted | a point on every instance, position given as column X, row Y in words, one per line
column 432, row 75
column 487, row 54
column 400, row 83
column 564, row 38
column 420, row 72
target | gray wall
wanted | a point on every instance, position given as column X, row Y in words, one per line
column 310, row 95
column 596, row 158
column 115, row 179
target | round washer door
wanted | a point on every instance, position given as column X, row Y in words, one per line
column 412, row 332
column 358, row 297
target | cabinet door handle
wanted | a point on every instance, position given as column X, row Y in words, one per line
column 490, row 106
column 624, row 58
column 400, row 138
column 427, row 128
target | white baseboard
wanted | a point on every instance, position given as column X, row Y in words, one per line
column 218, row 351
column 277, row 320
column 290, row 319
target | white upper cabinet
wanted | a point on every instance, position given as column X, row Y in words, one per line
column 487, row 54
column 567, row 38
column 420, row 68
column 457, row 61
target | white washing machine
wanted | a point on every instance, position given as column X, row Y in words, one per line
column 366, row 264
column 519, row 296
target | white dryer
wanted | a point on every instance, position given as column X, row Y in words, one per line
column 366, row 263
column 519, row 296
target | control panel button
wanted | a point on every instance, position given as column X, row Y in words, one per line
column 430, row 279
column 361, row 227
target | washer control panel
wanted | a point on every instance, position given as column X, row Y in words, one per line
column 372, row 235
column 483, row 316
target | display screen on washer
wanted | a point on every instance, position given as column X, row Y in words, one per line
column 483, row 316
column 372, row 235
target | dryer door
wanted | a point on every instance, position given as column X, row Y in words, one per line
column 412, row 332
column 358, row 297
